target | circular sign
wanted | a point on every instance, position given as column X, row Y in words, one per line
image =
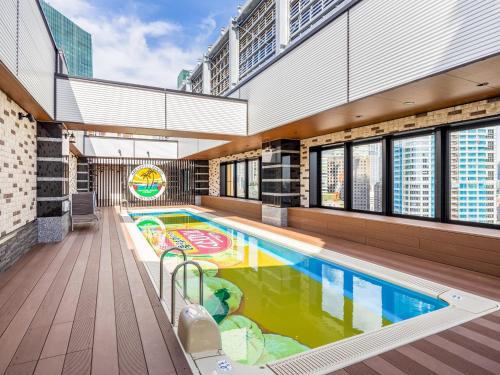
column 147, row 182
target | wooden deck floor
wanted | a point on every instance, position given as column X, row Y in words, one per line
column 86, row 305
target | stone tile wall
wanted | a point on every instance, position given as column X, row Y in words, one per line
column 17, row 168
column 214, row 168
column 72, row 164
column 464, row 112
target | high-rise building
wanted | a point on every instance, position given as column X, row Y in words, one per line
column 414, row 175
column 472, row 172
column 75, row 42
column 182, row 79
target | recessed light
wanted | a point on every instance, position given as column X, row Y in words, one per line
column 483, row 84
column 409, row 102
column 359, row 116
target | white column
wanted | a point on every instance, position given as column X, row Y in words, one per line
column 234, row 54
column 282, row 24
column 207, row 89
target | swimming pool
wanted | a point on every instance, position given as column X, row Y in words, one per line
column 272, row 302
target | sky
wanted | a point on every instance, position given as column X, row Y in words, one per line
column 148, row 41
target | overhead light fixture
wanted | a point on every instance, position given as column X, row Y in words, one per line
column 359, row 116
column 408, row 102
column 28, row 116
column 482, row 84
column 119, row 152
column 149, row 156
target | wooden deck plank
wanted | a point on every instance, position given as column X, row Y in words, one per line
column 7, row 275
column 405, row 364
column 381, row 366
column 477, row 337
column 67, row 307
column 13, row 335
column 18, row 291
column 130, row 349
column 176, row 353
column 471, row 345
column 50, row 366
column 33, row 341
column 360, row 369
column 457, row 362
column 155, row 349
column 428, row 361
column 79, row 357
column 104, row 353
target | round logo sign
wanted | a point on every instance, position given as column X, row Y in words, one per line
column 147, row 182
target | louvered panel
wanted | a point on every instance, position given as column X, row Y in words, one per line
column 394, row 42
column 308, row 80
column 206, row 114
column 8, row 26
column 36, row 55
column 95, row 102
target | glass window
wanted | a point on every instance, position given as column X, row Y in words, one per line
column 475, row 175
column 332, row 177
column 253, row 179
column 229, row 180
column 413, row 176
column 241, row 179
column 367, row 177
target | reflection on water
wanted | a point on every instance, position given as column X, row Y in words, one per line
column 272, row 302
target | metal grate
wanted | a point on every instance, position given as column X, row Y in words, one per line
column 219, row 70
column 257, row 37
column 109, row 180
column 344, row 353
column 306, row 13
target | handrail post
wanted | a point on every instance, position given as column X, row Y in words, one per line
column 184, row 264
column 161, row 269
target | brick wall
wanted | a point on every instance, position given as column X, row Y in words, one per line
column 214, row 169
column 17, row 168
column 464, row 112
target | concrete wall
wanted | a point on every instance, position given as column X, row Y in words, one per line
column 17, row 183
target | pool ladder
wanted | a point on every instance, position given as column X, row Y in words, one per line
column 184, row 265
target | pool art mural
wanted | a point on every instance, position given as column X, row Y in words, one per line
column 272, row 302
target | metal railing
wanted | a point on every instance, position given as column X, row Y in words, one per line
column 184, row 264
column 162, row 257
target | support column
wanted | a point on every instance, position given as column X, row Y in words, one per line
column 282, row 24
column 234, row 54
column 280, row 180
column 200, row 180
column 52, row 183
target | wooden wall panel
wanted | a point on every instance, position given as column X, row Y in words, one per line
column 471, row 248
column 243, row 207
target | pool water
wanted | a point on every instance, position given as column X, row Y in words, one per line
column 272, row 302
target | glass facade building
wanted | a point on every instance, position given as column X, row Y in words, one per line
column 75, row 42
column 472, row 173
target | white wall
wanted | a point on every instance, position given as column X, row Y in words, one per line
column 190, row 146
column 27, row 51
column 391, row 42
column 108, row 147
column 102, row 103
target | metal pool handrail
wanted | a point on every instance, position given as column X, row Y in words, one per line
column 184, row 264
column 161, row 269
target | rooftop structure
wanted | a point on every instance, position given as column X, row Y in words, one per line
column 333, row 163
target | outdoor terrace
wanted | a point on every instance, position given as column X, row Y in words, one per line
column 87, row 305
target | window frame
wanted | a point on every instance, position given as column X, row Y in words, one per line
column 259, row 182
column 222, row 184
column 362, row 142
column 347, row 194
column 442, row 178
